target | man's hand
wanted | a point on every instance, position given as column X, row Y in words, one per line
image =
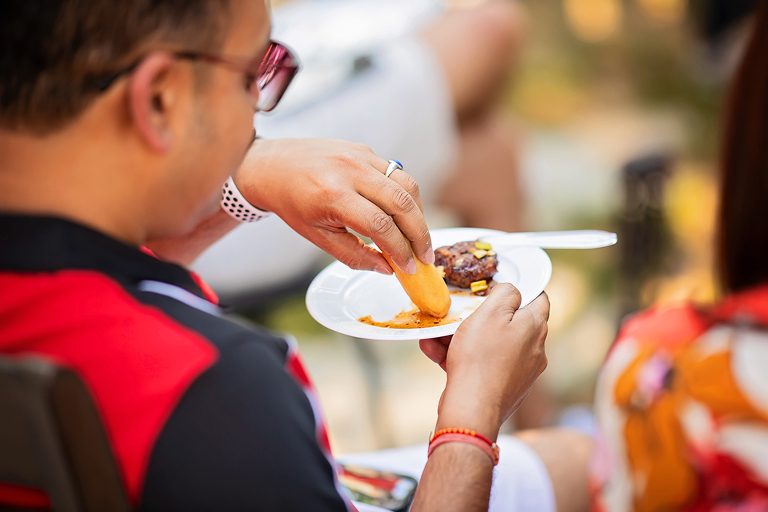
column 492, row 361
column 321, row 187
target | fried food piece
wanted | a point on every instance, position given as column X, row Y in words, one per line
column 463, row 267
column 426, row 287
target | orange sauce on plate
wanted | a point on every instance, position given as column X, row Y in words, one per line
column 416, row 319
column 413, row 319
column 463, row 293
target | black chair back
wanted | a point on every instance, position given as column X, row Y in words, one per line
column 51, row 438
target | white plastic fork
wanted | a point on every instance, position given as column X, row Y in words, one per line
column 584, row 239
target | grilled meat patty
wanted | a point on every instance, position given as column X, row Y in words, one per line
column 462, row 267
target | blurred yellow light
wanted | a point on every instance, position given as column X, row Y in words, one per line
column 594, row 20
column 691, row 204
column 666, row 11
column 547, row 98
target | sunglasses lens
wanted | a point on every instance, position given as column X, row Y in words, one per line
column 273, row 90
column 275, row 75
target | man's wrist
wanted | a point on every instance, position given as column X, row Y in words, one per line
column 235, row 204
column 248, row 190
column 469, row 415
column 252, row 179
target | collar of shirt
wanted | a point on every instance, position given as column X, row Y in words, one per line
column 49, row 244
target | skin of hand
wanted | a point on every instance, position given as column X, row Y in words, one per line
column 491, row 361
column 321, row 187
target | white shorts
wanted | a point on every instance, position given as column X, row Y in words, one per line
column 521, row 482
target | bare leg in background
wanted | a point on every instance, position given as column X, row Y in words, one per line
column 485, row 189
column 538, row 410
column 478, row 47
column 566, row 454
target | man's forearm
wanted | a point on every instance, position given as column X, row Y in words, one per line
column 457, row 477
column 184, row 250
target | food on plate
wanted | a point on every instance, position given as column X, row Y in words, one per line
column 426, row 287
column 466, row 263
column 413, row 319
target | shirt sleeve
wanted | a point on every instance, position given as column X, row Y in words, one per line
column 242, row 438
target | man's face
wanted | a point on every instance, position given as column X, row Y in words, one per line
column 214, row 147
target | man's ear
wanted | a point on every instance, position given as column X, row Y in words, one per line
column 151, row 97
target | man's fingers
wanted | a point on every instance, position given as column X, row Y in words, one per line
column 415, row 227
column 434, row 350
column 503, row 298
column 351, row 251
column 540, row 307
column 503, row 302
column 421, row 241
column 405, row 180
column 506, row 294
column 398, row 202
column 445, row 340
column 369, row 220
column 402, row 178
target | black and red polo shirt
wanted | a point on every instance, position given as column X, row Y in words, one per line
column 202, row 413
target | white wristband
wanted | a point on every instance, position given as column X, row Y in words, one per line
column 233, row 202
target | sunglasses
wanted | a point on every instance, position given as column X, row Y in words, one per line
column 266, row 79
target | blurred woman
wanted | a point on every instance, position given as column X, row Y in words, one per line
column 682, row 401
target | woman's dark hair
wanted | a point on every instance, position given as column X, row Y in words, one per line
column 52, row 51
column 743, row 218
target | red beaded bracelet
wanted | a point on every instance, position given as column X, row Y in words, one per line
column 464, row 435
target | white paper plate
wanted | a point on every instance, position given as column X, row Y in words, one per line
column 338, row 296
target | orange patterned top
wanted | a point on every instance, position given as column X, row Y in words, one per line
column 682, row 411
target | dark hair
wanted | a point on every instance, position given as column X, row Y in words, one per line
column 743, row 218
column 52, row 51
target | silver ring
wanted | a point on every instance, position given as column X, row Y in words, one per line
column 394, row 165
